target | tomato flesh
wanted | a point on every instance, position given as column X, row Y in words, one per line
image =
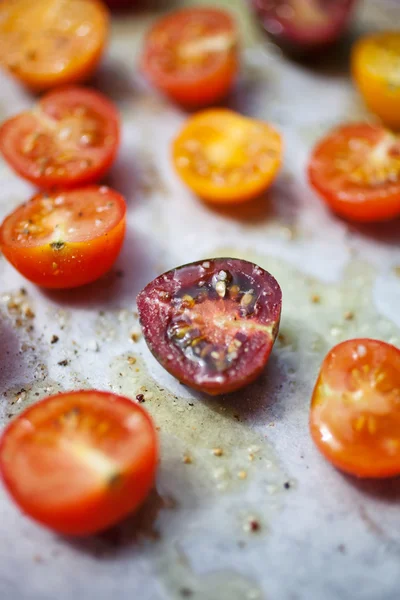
column 355, row 409
column 356, row 170
column 212, row 324
column 375, row 67
column 69, row 139
column 304, row 25
column 225, row 157
column 46, row 43
column 65, row 239
column 192, row 56
column 80, row 461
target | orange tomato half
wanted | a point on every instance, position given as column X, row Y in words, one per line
column 355, row 409
column 375, row 66
column 46, row 43
column 80, row 461
column 225, row 157
column 65, row 239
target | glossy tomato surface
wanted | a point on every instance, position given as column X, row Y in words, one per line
column 192, row 55
column 80, row 461
column 212, row 324
column 225, row 157
column 69, row 139
column 46, row 43
column 303, row 26
column 356, row 170
column 375, row 66
column 355, row 409
column 65, row 239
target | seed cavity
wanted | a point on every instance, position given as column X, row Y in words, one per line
column 211, row 321
column 57, row 245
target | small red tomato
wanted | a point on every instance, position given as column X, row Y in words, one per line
column 191, row 55
column 65, row 239
column 81, row 461
column 69, row 139
column 302, row 26
column 356, row 170
column 212, row 323
column 355, row 409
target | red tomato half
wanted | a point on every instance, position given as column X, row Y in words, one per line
column 69, row 139
column 81, row 461
column 356, row 170
column 192, row 56
column 65, row 239
column 212, row 323
column 355, row 409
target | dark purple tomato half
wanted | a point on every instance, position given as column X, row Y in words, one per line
column 212, row 323
column 301, row 26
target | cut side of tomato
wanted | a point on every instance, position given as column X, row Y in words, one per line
column 356, row 170
column 212, row 323
column 227, row 158
column 80, row 461
column 46, row 43
column 192, row 55
column 69, row 139
column 65, row 239
column 355, row 409
column 304, row 25
column 375, row 64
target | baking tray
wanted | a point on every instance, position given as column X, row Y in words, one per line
column 269, row 519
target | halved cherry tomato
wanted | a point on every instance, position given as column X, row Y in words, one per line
column 355, row 409
column 376, row 70
column 46, row 43
column 225, row 157
column 65, row 239
column 80, row 461
column 302, row 26
column 356, row 170
column 192, row 56
column 70, row 138
column 212, row 323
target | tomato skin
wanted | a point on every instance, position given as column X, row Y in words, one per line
column 159, row 312
column 199, row 89
column 74, row 265
column 355, row 416
column 361, row 201
column 78, row 66
column 97, row 159
column 86, row 510
column 373, row 78
column 216, row 132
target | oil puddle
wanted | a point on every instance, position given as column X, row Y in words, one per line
column 221, row 477
column 183, row 583
column 206, row 440
column 18, row 398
